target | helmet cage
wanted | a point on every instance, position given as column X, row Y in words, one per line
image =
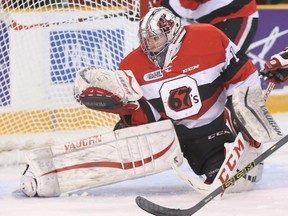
column 155, row 44
column 157, row 31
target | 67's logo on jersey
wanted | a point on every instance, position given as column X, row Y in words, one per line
column 181, row 98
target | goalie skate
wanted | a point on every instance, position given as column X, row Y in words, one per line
column 28, row 184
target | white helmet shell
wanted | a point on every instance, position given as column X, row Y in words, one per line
column 158, row 29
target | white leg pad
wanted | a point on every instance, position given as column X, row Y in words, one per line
column 247, row 182
column 238, row 155
column 104, row 159
column 251, row 111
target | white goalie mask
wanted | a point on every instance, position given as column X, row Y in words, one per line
column 160, row 34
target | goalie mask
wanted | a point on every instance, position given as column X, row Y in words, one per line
column 160, row 34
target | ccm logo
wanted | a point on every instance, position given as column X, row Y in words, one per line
column 231, row 162
column 190, row 68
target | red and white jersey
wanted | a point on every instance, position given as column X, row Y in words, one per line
column 192, row 90
column 212, row 11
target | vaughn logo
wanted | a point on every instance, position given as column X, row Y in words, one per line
column 153, row 75
column 83, row 143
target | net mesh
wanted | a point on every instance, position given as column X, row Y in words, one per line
column 42, row 44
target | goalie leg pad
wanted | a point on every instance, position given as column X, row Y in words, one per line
column 247, row 182
column 120, row 155
column 253, row 115
column 238, row 155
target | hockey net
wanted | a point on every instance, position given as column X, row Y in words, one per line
column 42, row 44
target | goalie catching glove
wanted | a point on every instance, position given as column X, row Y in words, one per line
column 106, row 90
column 276, row 69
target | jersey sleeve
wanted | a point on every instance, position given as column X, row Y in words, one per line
column 238, row 70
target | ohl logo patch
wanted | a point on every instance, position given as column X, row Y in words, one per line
column 153, row 75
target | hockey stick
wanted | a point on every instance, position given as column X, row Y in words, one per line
column 199, row 185
column 19, row 27
column 159, row 210
column 271, row 84
column 237, row 150
column 269, row 88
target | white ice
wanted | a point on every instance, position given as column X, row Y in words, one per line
column 269, row 198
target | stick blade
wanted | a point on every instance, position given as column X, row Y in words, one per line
column 158, row 210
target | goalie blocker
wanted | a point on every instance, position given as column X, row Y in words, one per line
column 276, row 69
column 252, row 117
column 100, row 160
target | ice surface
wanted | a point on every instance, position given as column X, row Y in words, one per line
column 270, row 196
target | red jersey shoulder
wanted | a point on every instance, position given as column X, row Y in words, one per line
column 204, row 41
column 206, row 34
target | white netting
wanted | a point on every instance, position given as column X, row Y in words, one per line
column 42, row 44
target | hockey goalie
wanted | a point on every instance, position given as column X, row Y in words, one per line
column 185, row 91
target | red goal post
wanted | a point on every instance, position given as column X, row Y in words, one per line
column 42, row 45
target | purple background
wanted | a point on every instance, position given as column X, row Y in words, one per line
column 270, row 19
